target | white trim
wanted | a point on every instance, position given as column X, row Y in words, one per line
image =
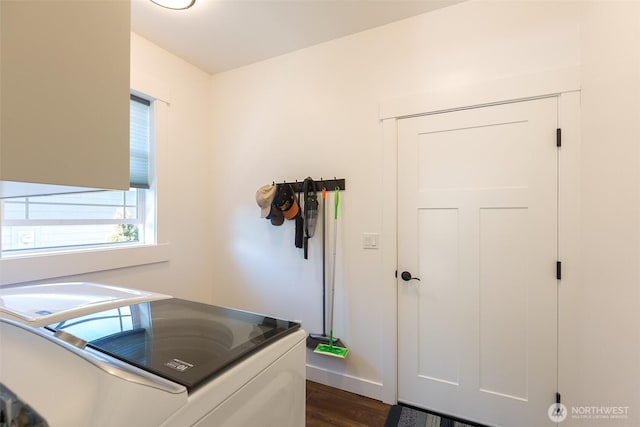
column 565, row 83
column 389, row 245
column 50, row 266
column 157, row 214
column 547, row 83
column 345, row 382
column 569, row 243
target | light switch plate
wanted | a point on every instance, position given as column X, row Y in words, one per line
column 370, row 240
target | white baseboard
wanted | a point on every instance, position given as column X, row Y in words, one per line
column 345, row 382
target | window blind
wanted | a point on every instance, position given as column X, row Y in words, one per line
column 139, row 142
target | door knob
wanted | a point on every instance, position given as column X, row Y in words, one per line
column 406, row 276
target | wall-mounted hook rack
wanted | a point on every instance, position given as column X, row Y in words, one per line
column 330, row 184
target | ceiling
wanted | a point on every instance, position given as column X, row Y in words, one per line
column 219, row 35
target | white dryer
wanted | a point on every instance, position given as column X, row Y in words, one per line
column 84, row 354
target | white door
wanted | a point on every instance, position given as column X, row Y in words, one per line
column 477, row 224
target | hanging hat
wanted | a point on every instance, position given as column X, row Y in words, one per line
column 285, row 200
column 264, row 199
column 276, row 216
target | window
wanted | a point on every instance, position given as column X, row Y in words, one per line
column 85, row 220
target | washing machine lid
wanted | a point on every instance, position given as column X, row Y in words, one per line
column 40, row 305
column 183, row 341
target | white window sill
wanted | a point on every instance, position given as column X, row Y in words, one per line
column 53, row 265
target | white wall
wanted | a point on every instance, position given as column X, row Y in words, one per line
column 315, row 112
column 602, row 336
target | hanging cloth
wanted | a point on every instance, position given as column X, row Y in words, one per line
column 299, row 237
column 310, row 212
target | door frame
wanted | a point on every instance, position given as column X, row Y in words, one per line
column 562, row 83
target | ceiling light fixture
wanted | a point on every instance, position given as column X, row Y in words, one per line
column 175, row 4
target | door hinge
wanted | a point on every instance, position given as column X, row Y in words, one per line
column 558, row 137
column 559, row 270
column 559, row 411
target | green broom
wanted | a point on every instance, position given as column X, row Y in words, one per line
column 330, row 349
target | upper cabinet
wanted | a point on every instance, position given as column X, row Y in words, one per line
column 64, row 95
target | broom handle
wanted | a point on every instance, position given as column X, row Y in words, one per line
column 324, row 262
column 332, row 282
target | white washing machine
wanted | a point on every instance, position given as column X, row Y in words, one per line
column 83, row 354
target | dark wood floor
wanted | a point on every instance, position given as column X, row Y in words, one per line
column 328, row 406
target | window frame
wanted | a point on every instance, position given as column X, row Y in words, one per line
column 66, row 262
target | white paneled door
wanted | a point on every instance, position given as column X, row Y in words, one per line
column 478, row 225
